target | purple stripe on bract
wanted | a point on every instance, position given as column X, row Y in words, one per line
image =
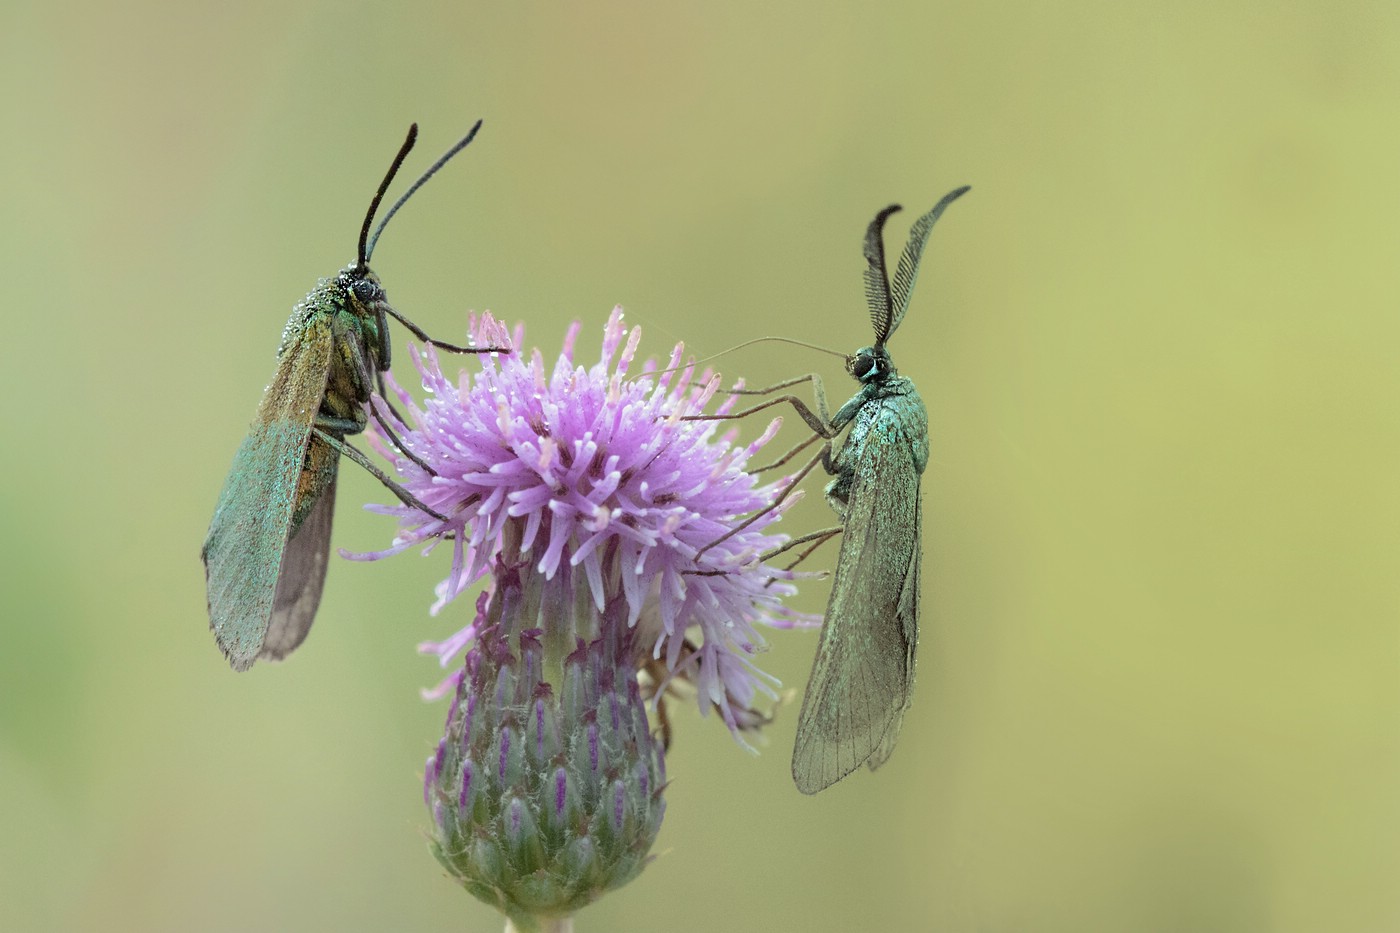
column 505, row 753
column 429, row 778
column 439, row 757
column 561, row 790
column 619, row 805
column 615, row 712
column 468, row 772
column 643, row 780
column 539, row 728
column 452, row 710
column 516, row 812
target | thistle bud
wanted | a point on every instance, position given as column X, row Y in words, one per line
column 545, row 794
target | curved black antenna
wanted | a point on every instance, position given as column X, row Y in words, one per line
column 362, row 260
column 877, row 278
column 432, row 170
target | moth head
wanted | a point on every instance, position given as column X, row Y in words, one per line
column 870, row 364
column 363, row 287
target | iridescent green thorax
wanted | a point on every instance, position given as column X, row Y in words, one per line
column 354, row 299
column 889, row 412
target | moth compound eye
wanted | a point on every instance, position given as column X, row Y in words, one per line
column 862, row 366
column 368, row 292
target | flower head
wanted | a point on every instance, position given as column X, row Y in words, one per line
column 603, row 485
column 610, row 530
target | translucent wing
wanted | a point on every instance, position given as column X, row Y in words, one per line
column 908, row 269
column 303, row 572
column 244, row 550
column 863, row 675
column 908, row 616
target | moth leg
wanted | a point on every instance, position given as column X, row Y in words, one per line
column 652, row 692
column 822, row 424
column 813, row 420
column 384, row 397
column 404, row 496
column 838, row 495
column 422, row 335
column 823, row 457
column 338, row 425
column 819, row 421
column 360, row 367
column 820, row 537
column 787, row 456
column 818, row 391
column 399, row 444
column 383, row 352
column 663, row 718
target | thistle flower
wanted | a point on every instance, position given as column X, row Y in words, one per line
column 586, row 500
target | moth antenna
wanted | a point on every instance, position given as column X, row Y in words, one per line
column 362, row 258
column 749, row 343
column 422, row 179
column 908, row 269
column 877, row 279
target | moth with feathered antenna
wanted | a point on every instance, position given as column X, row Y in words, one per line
column 863, row 674
column 268, row 545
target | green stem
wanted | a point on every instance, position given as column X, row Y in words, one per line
column 540, row 925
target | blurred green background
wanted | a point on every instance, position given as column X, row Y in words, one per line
column 1160, row 670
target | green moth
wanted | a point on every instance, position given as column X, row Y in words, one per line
column 268, row 544
column 863, row 675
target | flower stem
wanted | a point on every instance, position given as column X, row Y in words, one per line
column 542, row 925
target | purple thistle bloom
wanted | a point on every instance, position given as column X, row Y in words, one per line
column 601, row 483
column 586, row 499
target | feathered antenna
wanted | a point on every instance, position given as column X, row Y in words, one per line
column 877, row 279
column 908, row 269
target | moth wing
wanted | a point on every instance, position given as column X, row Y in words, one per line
column 908, row 618
column 862, row 677
column 243, row 551
column 303, row 572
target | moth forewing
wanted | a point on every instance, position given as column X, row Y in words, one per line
column 244, row 550
column 908, row 615
column 302, row 574
column 862, row 675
